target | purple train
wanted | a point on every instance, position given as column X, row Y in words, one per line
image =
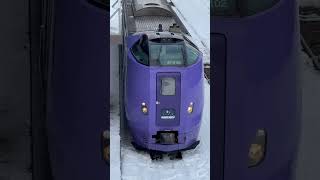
column 162, row 79
column 256, row 99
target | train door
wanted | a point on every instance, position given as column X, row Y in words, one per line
column 219, row 101
column 78, row 90
column 257, row 102
column 168, row 99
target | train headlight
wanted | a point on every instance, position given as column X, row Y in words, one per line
column 190, row 108
column 144, row 108
column 257, row 149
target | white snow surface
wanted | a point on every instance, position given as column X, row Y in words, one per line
column 115, row 14
column 115, row 143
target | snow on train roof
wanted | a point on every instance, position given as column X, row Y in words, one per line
column 146, row 15
column 151, row 8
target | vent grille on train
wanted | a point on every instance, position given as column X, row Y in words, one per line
column 152, row 4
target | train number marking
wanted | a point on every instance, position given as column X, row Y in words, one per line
column 221, row 3
column 168, row 117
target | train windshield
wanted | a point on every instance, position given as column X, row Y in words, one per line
column 165, row 52
column 240, row 7
column 168, row 54
column 192, row 54
column 172, row 52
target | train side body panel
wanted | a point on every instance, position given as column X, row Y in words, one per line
column 78, row 112
column 262, row 90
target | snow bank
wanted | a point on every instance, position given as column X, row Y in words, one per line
column 115, row 144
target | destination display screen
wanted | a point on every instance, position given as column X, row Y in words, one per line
column 223, row 7
column 168, row 86
column 166, row 54
column 240, row 7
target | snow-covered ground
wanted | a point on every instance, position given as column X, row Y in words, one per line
column 126, row 162
column 115, row 144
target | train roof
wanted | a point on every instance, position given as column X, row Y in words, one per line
column 146, row 15
column 156, row 35
column 151, row 8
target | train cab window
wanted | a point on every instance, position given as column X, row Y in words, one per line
column 166, row 54
column 140, row 51
column 241, row 8
column 192, row 54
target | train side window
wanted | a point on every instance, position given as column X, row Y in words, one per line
column 192, row 55
column 141, row 52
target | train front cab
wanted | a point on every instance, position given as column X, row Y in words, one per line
column 164, row 80
column 256, row 89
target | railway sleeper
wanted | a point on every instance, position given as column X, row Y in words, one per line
column 155, row 155
column 176, row 155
